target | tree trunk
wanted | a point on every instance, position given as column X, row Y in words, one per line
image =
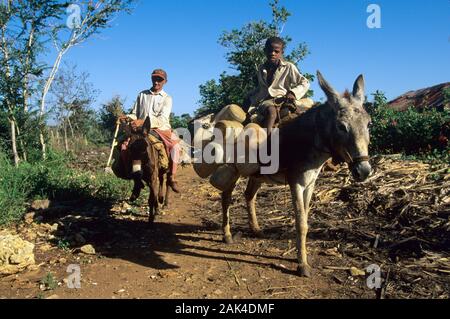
column 13, row 143
column 57, row 138
column 71, row 128
column 22, row 145
column 66, row 144
column 52, row 138
column 43, row 146
column 47, row 86
column 27, row 69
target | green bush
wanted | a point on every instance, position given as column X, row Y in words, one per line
column 52, row 179
column 422, row 133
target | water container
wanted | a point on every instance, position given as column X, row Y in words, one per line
column 232, row 112
column 306, row 103
column 204, row 170
column 224, row 177
column 230, row 130
column 248, row 143
column 209, row 160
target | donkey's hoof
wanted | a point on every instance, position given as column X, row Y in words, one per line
column 133, row 198
column 228, row 239
column 258, row 233
column 304, row 271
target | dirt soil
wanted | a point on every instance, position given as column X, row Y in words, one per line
column 183, row 256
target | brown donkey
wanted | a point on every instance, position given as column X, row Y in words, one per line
column 144, row 157
column 337, row 129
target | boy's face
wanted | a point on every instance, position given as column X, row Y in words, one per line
column 274, row 53
column 158, row 83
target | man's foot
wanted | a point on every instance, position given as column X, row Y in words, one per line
column 173, row 184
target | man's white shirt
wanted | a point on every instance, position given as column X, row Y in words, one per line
column 157, row 106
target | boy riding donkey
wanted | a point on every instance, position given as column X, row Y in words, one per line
column 155, row 104
column 279, row 84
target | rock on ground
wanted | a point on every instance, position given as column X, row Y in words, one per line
column 16, row 254
column 88, row 250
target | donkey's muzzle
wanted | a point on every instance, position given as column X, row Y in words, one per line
column 137, row 170
column 361, row 170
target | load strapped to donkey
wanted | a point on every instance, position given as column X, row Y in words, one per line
column 228, row 143
column 121, row 160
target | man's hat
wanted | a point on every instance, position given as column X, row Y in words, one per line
column 159, row 72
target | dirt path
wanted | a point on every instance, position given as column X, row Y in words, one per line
column 183, row 255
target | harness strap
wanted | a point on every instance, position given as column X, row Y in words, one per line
column 361, row 159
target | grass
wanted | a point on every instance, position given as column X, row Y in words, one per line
column 49, row 282
column 52, row 179
column 63, row 244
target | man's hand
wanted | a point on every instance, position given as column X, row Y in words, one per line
column 137, row 123
column 290, row 101
column 122, row 118
column 290, row 97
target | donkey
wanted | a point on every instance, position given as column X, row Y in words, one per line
column 144, row 157
column 337, row 129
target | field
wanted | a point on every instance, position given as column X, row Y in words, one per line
column 398, row 220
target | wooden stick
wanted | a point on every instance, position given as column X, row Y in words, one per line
column 234, row 274
column 114, row 142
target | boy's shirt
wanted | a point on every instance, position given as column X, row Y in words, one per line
column 286, row 78
column 155, row 105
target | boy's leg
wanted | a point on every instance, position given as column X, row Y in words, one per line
column 268, row 109
column 173, row 164
column 271, row 117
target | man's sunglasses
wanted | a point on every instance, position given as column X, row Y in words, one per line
column 157, row 79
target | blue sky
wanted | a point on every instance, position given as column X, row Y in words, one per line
column 410, row 51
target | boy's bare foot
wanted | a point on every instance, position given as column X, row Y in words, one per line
column 173, row 184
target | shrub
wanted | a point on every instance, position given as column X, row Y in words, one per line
column 52, row 179
column 410, row 132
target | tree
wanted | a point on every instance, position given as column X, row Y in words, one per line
column 245, row 53
column 109, row 113
column 72, row 95
column 180, row 121
column 26, row 27
column 97, row 15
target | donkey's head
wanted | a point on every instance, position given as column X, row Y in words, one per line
column 138, row 144
column 349, row 129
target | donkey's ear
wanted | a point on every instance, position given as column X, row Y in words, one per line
column 358, row 88
column 331, row 93
column 147, row 126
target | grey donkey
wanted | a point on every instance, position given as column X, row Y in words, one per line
column 337, row 129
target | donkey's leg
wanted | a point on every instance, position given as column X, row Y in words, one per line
column 226, row 201
column 153, row 200
column 167, row 196
column 161, row 188
column 153, row 207
column 250, row 196
column 137, row 176
column 301, row 225
column 137, row 187
column 309, row 189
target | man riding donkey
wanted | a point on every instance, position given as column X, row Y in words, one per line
column 279, row 84
column 156, row 105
